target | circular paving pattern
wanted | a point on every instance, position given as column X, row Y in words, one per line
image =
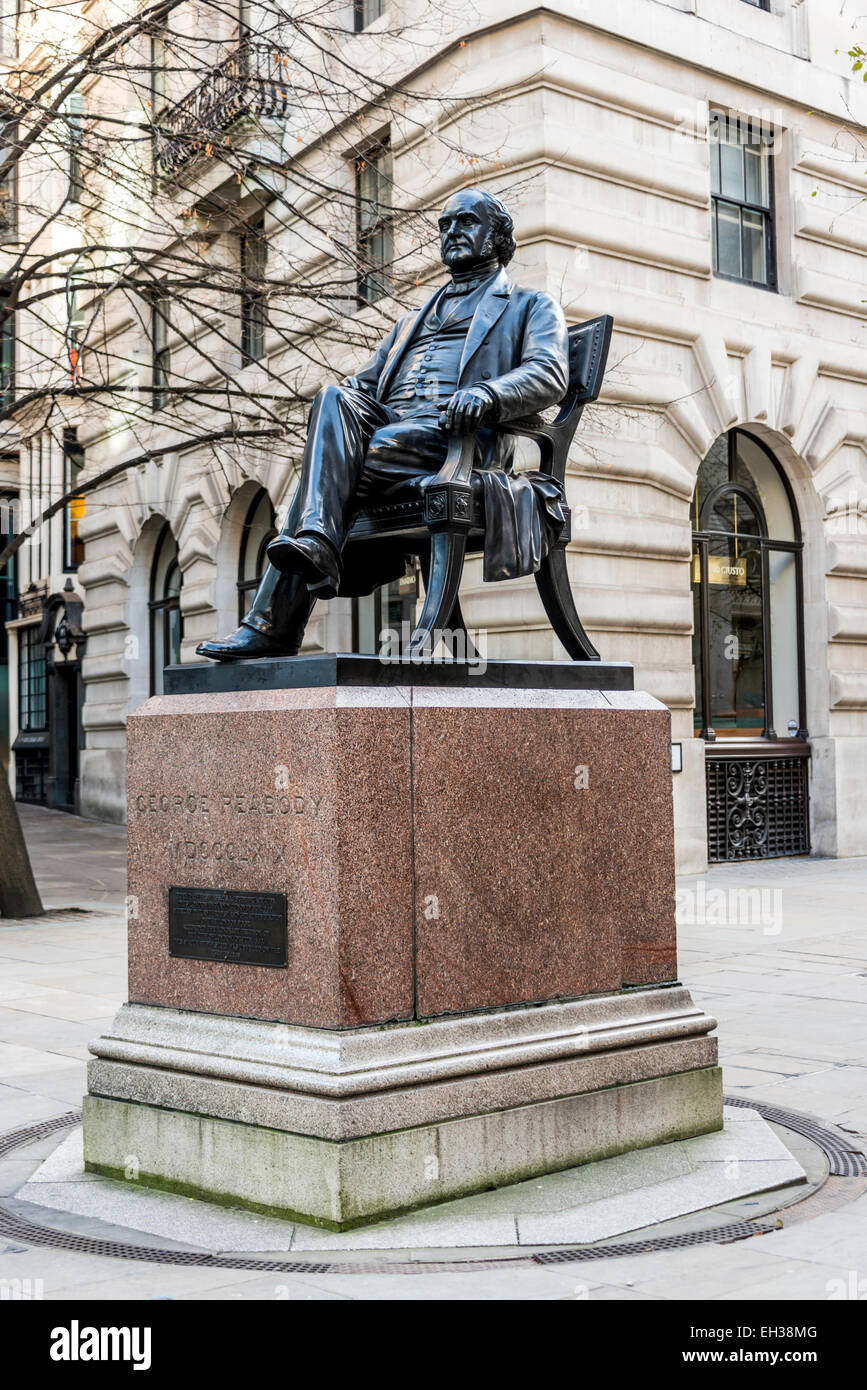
column 847, row 1179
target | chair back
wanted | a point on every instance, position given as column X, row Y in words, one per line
column 588, row 353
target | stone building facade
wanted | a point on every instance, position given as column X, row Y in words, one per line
column 695, row 169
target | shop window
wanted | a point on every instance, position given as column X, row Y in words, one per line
column 747, row 585
column 387, row 609
column 748, row 652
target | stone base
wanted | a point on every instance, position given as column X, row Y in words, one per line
column 476, row 983
column 342, row 1128
column 742, row 1170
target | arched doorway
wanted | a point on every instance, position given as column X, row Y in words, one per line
column 258, row 529
column 164, row 608
column 748, row 652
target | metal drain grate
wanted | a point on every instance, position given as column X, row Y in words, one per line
column 844, row 1161
column 718, row 1235
column 16, row 1138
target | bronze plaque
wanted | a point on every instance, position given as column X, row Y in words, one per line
column 227, row 926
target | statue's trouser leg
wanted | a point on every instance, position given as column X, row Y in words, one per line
column 341, row 423
column 282, row 605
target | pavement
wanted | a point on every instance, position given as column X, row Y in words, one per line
column 777, row 951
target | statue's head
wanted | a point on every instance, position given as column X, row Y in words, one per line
column 474, row 226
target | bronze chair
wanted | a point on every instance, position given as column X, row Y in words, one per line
column 447, row 521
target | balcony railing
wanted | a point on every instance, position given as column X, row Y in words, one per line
column 252, row 81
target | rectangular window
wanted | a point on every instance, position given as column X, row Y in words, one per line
column 159, row 48
column 32, row 703
column 160, row 354
column 8, row 202
column 7, row 353
column 742, row 200
column 374, row 221
column 74, row 127
column 8, row 590
column 759, row 4
column 254, row 304
column 8, row 28
column 75, row 319
column 73, row 465
column 366, row 11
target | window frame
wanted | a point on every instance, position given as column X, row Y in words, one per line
column 71, row 449
column 28, row 639
column 254, row 301
column 9, row 26
column 370, row 275
column 8, row 340
column 360, row 19
column 9, row 511
column 9, row 186
column 161, row 354
column 768, row 214
column 701, row 541
column 244, row 586
column 75, row 111
column 163, row 604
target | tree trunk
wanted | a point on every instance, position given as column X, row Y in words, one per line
column 19, row 896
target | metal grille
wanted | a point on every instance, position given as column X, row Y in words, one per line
column 757, row 808
column 31, row 770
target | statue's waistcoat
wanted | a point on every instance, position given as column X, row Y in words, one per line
column 428, row 371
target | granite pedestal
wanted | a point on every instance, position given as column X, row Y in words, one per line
column 478, row 977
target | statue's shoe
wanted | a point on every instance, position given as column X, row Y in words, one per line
column 243, row 645
column 312, row 559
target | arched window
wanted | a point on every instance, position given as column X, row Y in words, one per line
column 748, row 643
column 166, row 624
column 258, row 530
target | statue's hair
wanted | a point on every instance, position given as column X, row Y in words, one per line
column 504, row 228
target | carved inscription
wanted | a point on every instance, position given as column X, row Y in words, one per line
column 237, row 803
column 233, row 851
column 228, row 926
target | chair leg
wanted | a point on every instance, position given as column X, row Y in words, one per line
column 441, row 588
column 552, row 581
column 456, row 624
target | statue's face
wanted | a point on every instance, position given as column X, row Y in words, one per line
column 466, row 231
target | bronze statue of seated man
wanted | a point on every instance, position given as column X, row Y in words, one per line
column 481, row 352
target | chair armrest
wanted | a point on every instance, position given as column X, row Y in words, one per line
column 448, row 496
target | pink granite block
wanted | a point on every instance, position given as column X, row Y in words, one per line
column 530, row 884
column 440, row 851
column 284, row 792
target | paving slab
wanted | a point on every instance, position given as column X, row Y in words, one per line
column 793, row 1031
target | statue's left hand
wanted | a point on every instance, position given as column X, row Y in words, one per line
column 466, row 410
